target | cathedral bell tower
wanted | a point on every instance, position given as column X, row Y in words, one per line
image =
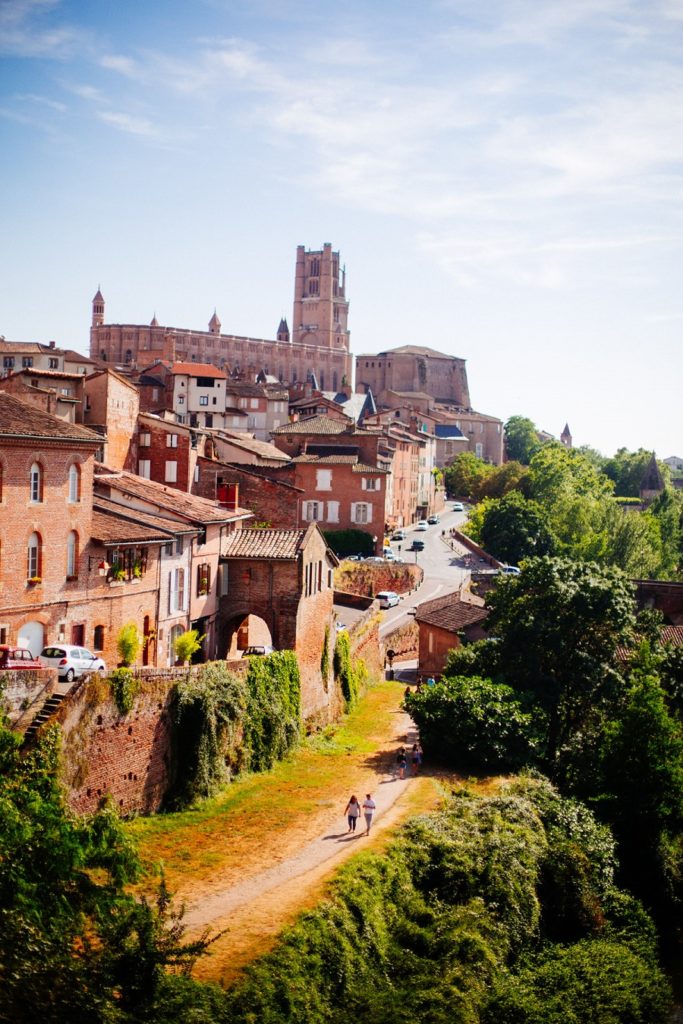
column 98, row 309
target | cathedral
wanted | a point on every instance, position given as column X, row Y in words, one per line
column 318, row 346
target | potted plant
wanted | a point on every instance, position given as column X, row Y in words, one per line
column 186, row 645
column 117, row 572
column 137, row 569
column 33, row 580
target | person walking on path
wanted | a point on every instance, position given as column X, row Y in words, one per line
column 352, row 813
column 416, row 757
column 369, row 806
column 402, row 761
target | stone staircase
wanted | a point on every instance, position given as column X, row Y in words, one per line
column 49, row 708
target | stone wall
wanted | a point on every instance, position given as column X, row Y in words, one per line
column 23, row 693
column 369, row 578
column 128, row 757
column 403, row 641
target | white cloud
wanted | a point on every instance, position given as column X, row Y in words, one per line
column 128, row 123
column 123, row 65
column 42, row 101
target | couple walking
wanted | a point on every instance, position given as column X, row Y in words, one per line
column 353, row 810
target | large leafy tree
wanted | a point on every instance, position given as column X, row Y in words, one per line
column 521, row 439
column 626, row 469
column 558, row 625
column 465, row 474
column 515, row 528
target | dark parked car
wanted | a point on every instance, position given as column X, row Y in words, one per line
column 17, row 657
column 418, row 545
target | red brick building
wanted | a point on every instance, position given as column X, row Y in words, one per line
column 441, row 621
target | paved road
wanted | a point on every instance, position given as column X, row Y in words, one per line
column 443, row 571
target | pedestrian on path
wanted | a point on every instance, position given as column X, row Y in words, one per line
column 401, row 761
column 416, row 757
column 352, row 813
column 369, row 806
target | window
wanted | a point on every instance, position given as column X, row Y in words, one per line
column 155, row 394
column 254, row 403
column 8, row 362
column 179, row 545
column 223, row 578
column 72, row 554
column 323, row 479
column 176, row 590
column 203, row 579
column 312, row 510
column 168, row 549
column 333, row 511
column 26, row 361
column 181, row 399
column 173, row 635
column 145, row 439
column 98, row 638
column 361, row 512
column 479, row 450
column 74, row 483
column 208, row 419
column 171, row 440
column 36, row 483
column 53, row 363
column 203, row 399
column 171, row 472
column 370, row 483
column 33, row 568
column 145, row 468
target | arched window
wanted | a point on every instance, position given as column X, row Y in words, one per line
column 33, row 567
column 72, row 554
column 36, row 483
column 74, row 483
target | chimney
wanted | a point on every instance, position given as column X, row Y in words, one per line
column 52, row 344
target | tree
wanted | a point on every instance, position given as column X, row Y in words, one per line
column 558, row 625
column 186, row 645
column 514, row 528
column 75, row 945
column 511, row 476
column 465, row 474
column 521, row 439
column 626, row 469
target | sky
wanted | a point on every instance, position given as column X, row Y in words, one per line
column 503, row 180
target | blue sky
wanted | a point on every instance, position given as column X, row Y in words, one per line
column 503, row 180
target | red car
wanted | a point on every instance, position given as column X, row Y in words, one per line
column 17, row 657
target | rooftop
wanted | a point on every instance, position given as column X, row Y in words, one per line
column 18, row 419
column 179, row 503
column 452, row 612
column 198, row 370
column 247, row 543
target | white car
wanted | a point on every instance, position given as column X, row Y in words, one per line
column 388, row 598
column 458, row 506
column 70, row 661
column 422, row 526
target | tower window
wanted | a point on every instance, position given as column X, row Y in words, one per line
column 36, row 483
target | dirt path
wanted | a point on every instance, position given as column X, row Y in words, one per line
column 250, row 867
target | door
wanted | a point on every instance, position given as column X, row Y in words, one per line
column 32, row 636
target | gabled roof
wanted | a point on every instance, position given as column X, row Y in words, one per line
column 112, row 525
column 279, row 544
column 20, row 420
column 198, row 370
column 72, row 356
column 451, row 612
column 36, row 371
column 168, row 500
column 319, row 425
column 652, row 478
column 251, row 444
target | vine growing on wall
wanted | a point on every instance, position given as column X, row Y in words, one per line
column 124, row 688
column 273, row 722
column 351, row 675
column 325, row 657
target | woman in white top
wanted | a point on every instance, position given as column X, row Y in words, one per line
column 352, row 812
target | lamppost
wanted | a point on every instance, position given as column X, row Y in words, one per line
column 374, row 543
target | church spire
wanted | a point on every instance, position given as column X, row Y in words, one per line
column 98, row 309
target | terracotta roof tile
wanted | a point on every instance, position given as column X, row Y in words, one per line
column 451, row 612
column 109, row 526
column 17, row 419
column 170, row 499
column 198, row 370
column 246, row 543
column 317, row 425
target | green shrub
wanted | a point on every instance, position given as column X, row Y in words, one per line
column 349, row 542
column 124, row 688
column 273, row 721
column 350, row 675
column 473, row 723
column 128, row 643
column 186, row 645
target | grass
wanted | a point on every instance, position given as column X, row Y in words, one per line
column 276, row 809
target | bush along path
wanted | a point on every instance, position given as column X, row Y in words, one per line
column 246, row 862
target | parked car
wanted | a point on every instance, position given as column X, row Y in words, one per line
column 458, row 506
column 433, row 520
column 389, row 555
column 70, row 661
column 510, row 570
column 398, row 535
column 376, row 559
column 17, row 657
column 257, row 650
column 422, row 526
column 418, row 545
column 388, row 598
